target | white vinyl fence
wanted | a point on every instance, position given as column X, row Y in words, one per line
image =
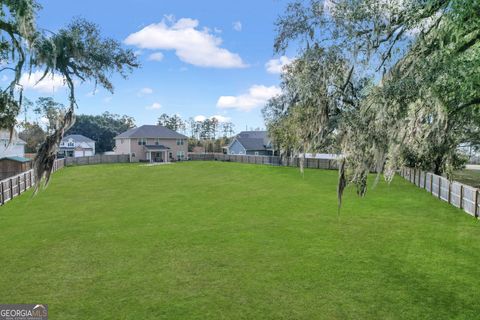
column 16, row 185
column 458, row 194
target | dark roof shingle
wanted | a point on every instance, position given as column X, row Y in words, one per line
column 151, row 131
column 77, row 138
column 253, row 140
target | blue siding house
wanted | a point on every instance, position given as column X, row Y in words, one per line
column 251, row 143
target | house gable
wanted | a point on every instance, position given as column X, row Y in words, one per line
column 236, row 147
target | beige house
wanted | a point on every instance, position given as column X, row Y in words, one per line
column 152, row 143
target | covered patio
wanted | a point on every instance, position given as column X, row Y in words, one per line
column 156, row 153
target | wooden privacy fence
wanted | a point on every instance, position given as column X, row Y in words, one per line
column 458, row 194
column 270, row 160
column 16, row 185
column 97, row 159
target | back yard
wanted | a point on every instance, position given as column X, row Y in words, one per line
column 227, row 240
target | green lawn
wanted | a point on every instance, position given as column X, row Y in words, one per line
column 212, row 240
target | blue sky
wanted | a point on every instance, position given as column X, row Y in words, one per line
column 213, row 57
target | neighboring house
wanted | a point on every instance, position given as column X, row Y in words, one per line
column 12, row 155
column 251, row 143
column 11, row 148
column 152, row 143
column 76, row 145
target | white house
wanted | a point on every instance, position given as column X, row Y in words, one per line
column 13, row 148
column 76, row 145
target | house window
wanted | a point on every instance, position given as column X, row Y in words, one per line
column 142, row 141
column 157, row 141
column 71, row 144
column 133, row 155
column 180, row 142
column 256, row 153
column 180, row 155
column 121, row 141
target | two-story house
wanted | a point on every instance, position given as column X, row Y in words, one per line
column 76, row 145
column 152, row 143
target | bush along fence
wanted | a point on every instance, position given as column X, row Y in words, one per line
column 97, row 159
column 458, row 194
column 269, row 160
column 16, row 185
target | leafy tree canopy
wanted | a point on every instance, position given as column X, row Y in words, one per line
column 102, row 128
column 423, row 58
column 76, row 52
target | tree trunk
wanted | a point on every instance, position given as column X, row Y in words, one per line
column 438, row 165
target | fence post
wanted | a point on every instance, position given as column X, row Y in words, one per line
column 25, row 181
column 18, row 184
column 425, row 180
column 415, row 176
column 3, row 193
column 461, row 196
column 11, row 189
column 476, row 204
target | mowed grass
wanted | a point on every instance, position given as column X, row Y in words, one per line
column 211, row 240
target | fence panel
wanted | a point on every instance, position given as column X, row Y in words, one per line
column 457, row 194
column 18, row 184
column 97, row 159
column 468, row 199
column 444, row 188
column 312, row 163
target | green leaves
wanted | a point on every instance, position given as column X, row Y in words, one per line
column 427, row 55
column 77, row 52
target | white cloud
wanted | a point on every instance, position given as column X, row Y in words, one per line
column 48, row 84
column 237, row 26
column 145, row 91
column 191, row 44
column 275, row 66
column 154, row 106
column 257, row 96
column 220, row 118
column 199, row 118
column 156, row 56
